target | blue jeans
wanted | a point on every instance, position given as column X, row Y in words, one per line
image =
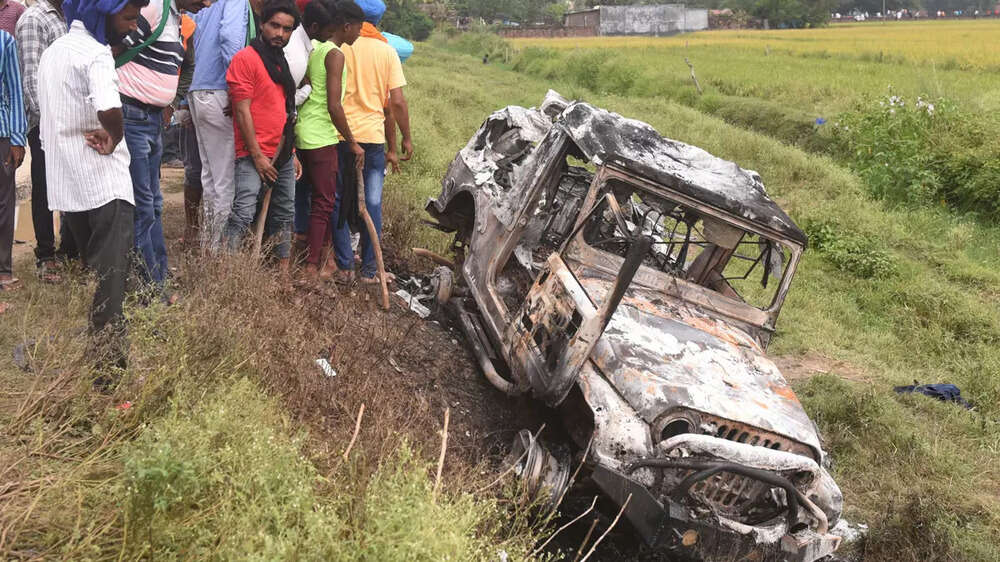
column 374, row 174
column 142, row 136
column 280, row 214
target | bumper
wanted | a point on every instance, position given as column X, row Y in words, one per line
column 692, row 530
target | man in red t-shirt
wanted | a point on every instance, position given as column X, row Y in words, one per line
column 262, row 92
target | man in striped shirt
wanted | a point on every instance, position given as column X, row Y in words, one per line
column 13, row 137
column 38, row 28
column 86, row 163
column 149, row 61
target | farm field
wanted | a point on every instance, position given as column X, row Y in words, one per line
column 817, row 70
column 231, row 444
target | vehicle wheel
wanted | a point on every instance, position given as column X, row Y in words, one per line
column 543, row 476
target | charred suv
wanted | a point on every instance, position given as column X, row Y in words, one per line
column 632, row 283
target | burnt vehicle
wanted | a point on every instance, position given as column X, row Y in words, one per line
column 632, row 283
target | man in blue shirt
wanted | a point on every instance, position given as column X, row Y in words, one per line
column 222, row 31
column 13, row 137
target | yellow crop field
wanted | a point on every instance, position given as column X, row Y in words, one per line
column 949, row 44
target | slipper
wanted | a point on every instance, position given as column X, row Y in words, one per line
column 344, row 277
column 48, row 272
column 389, row 278
column 11, row 284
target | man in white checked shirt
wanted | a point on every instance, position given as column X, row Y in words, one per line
column 86, row 164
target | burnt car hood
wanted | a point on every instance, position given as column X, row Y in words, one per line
column 661, row 355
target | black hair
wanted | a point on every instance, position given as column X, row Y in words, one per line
column 272, row 7
column 348, row 12
column 139, row 3
column 319, row 12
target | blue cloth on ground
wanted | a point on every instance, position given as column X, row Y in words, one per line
column 373, row 9
column 93, row 14
column 944, row 392
column 403, row 47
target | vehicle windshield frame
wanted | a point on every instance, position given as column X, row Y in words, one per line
column 609, row 172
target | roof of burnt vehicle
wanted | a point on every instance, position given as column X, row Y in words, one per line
column 609, row 138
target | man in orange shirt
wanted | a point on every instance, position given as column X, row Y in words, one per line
column 374, row 87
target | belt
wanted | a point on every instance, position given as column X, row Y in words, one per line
column 141, row 105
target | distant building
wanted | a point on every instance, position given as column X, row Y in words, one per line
column 664, row 19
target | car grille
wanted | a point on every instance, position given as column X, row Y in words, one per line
column 736, row 496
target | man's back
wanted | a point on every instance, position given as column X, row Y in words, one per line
column 373, row 69
column 80, row 80
column 222, row 32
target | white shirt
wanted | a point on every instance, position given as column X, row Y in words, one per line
column 79, row 80
column 297, row 56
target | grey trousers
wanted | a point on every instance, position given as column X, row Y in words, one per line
column 8, row 202
column 216, row 147
column 105, row 237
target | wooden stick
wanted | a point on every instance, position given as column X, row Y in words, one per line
column 561, row 529
column 694, row 78
column 608, row 530
column 436, row 258
column 258, row 226
column 444, row 447
column 376, row 243
column 357, row 429
column 586, row 538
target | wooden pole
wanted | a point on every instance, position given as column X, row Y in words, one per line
column 258, row 225
column 373, row 235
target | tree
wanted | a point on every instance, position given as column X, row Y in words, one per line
column 788, row 13
column 404, row 19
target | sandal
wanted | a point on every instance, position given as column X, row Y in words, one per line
column 11, row 284
column 389, row 278
column 48, row 272
column 344, row 277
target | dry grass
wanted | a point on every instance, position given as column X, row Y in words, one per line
column 72, row 458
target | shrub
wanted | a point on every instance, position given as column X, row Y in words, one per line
column 923, row 152
column 861, row 256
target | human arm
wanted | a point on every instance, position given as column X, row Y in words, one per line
column 232, row 29
column 401, row 115
column 244, row 122
column 17, row 122
column 31, row 41
column 106, row 139
column 391, row 154
column 334, row 63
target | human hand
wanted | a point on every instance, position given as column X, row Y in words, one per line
column 101, row 141
column 359, row 156
column 407, row 149
column 228, row 110
column 15, row 157
column 183, row 117
column 298, row 168
column 168, row 114
column 392, row 158
column 264, row 167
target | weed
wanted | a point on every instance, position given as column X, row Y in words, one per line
column 858, row 255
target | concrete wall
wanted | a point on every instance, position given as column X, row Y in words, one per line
column 664, row 19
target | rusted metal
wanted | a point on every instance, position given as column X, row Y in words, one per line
column 631, row 285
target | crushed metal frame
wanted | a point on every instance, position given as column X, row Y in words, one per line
column 663, row 377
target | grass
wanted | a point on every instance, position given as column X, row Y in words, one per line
column 933, row 316
column 232, row 366
column 223, row 441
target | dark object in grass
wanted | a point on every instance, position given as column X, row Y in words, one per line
column 944, row 392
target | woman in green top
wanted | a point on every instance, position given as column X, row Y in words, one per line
column 329, row 25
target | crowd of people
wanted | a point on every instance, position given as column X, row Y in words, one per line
column 284, row 106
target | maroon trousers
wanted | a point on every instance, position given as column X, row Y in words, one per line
column 321, row 165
